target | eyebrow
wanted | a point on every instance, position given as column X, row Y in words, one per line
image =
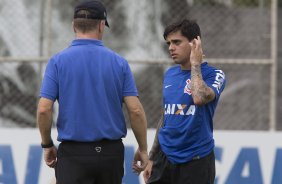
column 173, row 41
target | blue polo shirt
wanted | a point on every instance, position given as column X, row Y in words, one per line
column 188, row 129
column 89, row 81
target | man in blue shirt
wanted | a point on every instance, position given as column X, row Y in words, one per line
column 182, row 152
column 90, row 83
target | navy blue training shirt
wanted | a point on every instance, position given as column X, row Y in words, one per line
column 187, row 132
column 89, row 81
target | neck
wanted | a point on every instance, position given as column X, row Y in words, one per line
column 92, row 35
column 186, row 66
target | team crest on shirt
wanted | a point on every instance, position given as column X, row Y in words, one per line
column 187, row 88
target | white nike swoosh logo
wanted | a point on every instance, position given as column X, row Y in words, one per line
column 168, row 86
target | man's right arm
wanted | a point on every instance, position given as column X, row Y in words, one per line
column 153, row 153
column 156, row 146
column 44, row 121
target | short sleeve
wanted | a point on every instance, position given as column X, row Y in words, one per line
column 49, row 88
column 129, row 86
column 216, row 80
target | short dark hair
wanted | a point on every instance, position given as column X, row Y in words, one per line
column 85, row 25
column 189, row 28
column 95, row 10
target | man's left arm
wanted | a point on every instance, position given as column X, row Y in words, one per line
column 201, row 92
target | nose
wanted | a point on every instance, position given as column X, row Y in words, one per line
column 171, row 47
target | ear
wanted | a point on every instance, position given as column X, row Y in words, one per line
column 102, row 26
column 73, row 27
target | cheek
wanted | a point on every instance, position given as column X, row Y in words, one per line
column 188, row 51
column 185, row 52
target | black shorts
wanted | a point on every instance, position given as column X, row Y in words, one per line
column 90, row 162
column 199, row 171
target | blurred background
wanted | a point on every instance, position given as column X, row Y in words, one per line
column 241, row 37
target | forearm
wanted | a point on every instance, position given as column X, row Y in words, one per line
column 139, row 127
column 156, row 146
column 44, row 121
column 201, row 93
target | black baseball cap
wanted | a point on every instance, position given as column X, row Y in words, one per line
column 95, row 8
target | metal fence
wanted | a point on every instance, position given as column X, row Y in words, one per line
column 239, row 37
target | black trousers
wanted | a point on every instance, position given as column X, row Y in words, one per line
column 199, row 171
column 90, row 162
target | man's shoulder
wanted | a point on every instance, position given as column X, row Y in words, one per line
column 113, row 54
column 60, row 53
column 118, row 56
column 207, row 68
column 172, row 69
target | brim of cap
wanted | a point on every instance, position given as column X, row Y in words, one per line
column 107, row 24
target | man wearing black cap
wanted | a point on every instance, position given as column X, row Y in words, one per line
column 90, row 83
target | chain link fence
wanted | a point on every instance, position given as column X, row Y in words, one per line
column 237, row 37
